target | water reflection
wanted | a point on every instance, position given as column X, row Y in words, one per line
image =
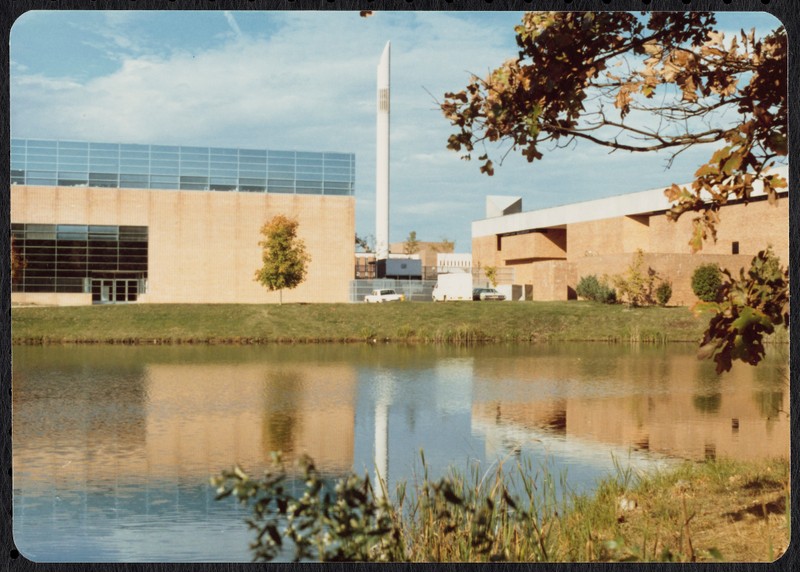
column 661, row 401
column 113, row 446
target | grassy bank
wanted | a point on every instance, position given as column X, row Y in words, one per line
column 406, row 322
column 712, row 511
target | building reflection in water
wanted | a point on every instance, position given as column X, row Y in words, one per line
column 112, row 445
column 666, row 402
column 152, row 419
column 181, row 421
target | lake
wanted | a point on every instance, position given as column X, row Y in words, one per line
column 113, row 446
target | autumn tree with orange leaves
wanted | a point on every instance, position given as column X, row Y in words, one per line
column 284, row 256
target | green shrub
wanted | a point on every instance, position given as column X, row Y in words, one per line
column 663, row 293
column 706, row 280
column 590, row 288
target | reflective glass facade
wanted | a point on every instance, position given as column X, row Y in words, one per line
column 109, row 261
column 117, row 165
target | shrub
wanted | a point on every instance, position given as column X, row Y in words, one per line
column 663, row 293
column 637, row 284
column 590, row 288
column 706, row 280
column 491, row 275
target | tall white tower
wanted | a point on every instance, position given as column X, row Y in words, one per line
column 382, row 165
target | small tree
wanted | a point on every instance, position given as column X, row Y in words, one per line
column 637, row 284
column 411, row 245
column 706, row 280
column 284, row 255
column 491, row 275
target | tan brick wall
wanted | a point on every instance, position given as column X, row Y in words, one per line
column 203, row 246
column 552, row 244
column 677, row 268
column 753, row 226
column 635, row 233
column 551, row 279
column 484, row 251
column 594, row 238
column 606, row 247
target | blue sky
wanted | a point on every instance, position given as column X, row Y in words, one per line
column 306, row 81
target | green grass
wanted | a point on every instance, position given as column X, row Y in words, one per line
column 457, row 322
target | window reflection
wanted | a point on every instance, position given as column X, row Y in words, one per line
column 113, row 165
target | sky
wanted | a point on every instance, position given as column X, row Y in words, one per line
column 306, row 81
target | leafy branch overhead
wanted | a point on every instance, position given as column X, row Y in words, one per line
column 638, row 83
column 660, row 81
column 748, row 308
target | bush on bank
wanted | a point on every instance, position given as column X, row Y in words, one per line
column 591, row 288
column 706, row 280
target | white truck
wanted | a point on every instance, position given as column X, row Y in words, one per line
column 383, row 295
column 453, row 286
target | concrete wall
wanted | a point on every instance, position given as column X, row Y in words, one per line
column 203, row 246
column 50, row 299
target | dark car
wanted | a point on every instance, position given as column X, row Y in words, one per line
column 480, row 294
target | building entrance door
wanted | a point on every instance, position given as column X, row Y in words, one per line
column 114, row 290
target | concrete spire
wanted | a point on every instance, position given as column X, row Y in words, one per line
column 382, row 164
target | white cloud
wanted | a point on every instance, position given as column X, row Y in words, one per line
column 308, row 83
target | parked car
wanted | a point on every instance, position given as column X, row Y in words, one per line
column 480, row 294
column 385, row 295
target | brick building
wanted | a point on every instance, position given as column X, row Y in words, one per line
column 552, row 248
column 106, row 222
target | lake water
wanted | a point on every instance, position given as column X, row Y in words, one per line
column 113, row 446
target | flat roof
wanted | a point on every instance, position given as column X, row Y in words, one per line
column 630, row 204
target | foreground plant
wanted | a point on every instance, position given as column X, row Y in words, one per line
column 346, row 523
column 748, row 308
column 350, row 521
column 682, row 515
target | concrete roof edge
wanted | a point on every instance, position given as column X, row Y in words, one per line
column 629, row 204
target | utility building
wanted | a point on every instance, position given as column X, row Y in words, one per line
column 109, row 222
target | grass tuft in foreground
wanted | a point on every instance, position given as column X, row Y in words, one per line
column 716, row 510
